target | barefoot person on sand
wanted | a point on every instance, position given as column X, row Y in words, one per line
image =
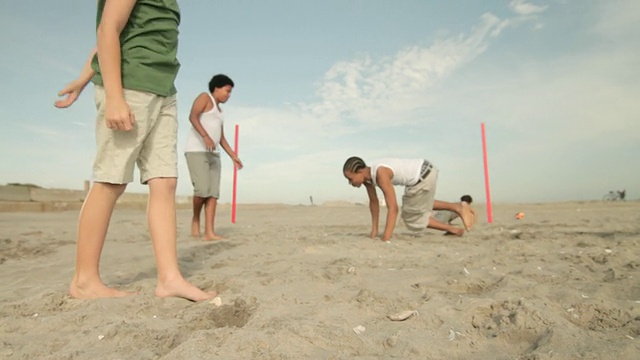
column 206, row 137
column 447, row 217
column 133, row 68
column 419, row 177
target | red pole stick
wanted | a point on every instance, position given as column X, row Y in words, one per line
column 486, row 174
column 235, row 180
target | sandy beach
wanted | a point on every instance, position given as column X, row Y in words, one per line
column 305, row 282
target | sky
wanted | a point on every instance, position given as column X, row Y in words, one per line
column 555, row 82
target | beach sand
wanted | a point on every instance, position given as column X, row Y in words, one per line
column 295, row 281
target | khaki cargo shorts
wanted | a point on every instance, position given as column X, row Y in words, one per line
column 204, row 169
column 151, row 144
column 417, row 202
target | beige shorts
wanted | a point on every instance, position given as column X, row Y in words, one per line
column 151, row 144
column 417, row 202
column 204, row 169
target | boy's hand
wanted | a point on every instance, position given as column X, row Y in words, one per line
column 118, row 115
column 71, row 92
column 236, row 161
column 208, row 143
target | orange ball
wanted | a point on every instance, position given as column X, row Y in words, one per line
column 519, row 216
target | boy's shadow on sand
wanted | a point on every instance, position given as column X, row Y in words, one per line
column 195, row 257
column 190, row 260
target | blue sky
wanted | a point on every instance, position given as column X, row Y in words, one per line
column 556, row 82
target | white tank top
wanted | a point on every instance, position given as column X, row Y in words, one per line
column 212, row 122
column 405, row 171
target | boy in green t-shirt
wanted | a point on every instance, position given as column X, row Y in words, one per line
column 133, row 68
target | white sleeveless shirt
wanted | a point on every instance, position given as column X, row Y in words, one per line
column 405, row 171
column 212, row 122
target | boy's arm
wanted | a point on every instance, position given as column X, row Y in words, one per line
column 198, row 107
column 232, row 154
column 374, row 207
column 115, row 15
column 383, row 179
column 73, row 89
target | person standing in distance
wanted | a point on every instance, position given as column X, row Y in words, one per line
column 202, row 151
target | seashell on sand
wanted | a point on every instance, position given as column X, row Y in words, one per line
column 403, row 315
column 217, row 301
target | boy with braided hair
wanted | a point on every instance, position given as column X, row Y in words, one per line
column 419, row 177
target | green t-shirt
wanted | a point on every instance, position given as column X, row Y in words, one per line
column 149, row 47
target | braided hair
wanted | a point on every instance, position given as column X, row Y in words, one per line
column 353, row 164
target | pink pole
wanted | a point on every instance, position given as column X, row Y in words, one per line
column 235, row 180
column 486, row 174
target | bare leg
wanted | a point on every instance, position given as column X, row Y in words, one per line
column 210, row 216
column 93, row 223
column 198, row 203
column 161, row 212
column 450, row 229
column 462, row 209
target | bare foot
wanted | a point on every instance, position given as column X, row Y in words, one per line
column 183, row 289
column 214, row 236
column 467, row 215
column 195, row 229
column 94, row 291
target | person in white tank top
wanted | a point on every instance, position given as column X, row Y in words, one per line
column 202, row 151
column 419, row 177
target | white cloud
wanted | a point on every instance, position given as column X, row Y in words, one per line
column 537, row 110
column 366, row 92
column 524, row 8
column 354, row 97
